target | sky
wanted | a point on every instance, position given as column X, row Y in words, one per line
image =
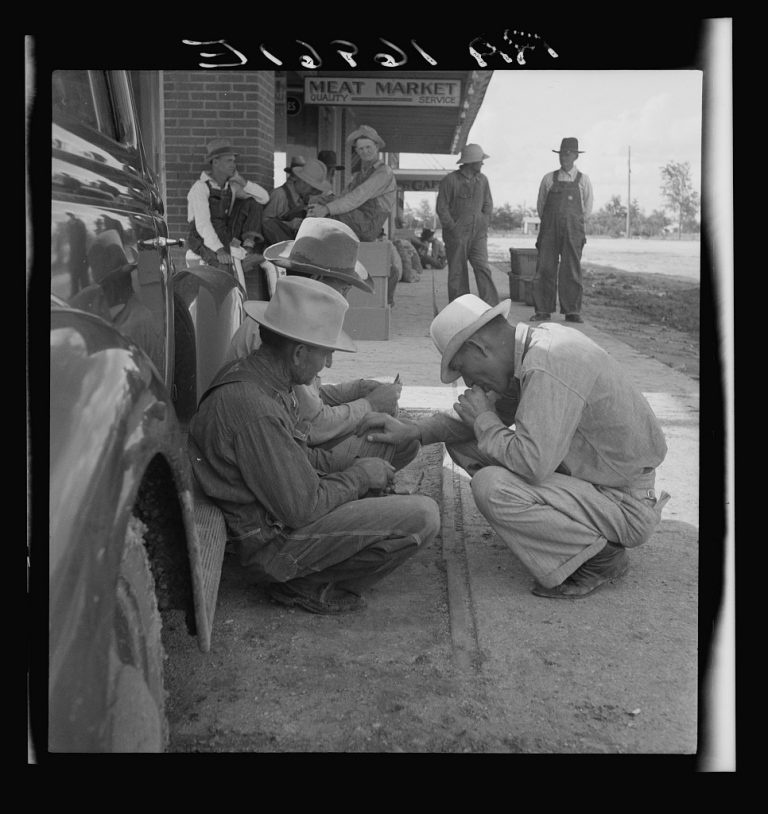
column 524, row 115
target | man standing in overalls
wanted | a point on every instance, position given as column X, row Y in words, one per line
column 465, row 206
column 565, row 200
column 370, row 195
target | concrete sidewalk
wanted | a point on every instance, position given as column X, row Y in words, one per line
column 614, row 672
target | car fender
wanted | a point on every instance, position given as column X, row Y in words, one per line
column 110, row 417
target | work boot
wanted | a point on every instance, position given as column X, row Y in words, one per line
column 573, row 318
column 327, row 599
column 609, row 564
column 540, row 317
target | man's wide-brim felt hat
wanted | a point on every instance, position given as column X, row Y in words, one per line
column 306, row 311
column 569, row 145
column 323, row 247
column 328, row 157
column 451, row 328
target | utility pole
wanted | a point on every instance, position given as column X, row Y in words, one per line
column 629, row 187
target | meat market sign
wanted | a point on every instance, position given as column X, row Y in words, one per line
column 385, row 92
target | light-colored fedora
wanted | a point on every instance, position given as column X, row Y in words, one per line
column 306, row 311
column 323, row 247
column 218, row 147
column 365, row 131
column 314, row 173
column 451, row 328
column 568, row 145
column 471, row 153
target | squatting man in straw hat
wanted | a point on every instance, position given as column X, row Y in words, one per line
column 328, row 415
column 371, row 193
column 305, row 525
column 565, row 478
column 464, row 206
column 222, row 206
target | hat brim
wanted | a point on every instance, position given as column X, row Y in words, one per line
column 451, row 349
column 569, row 151
column 278, row 253
column 256, row 310
column 324, row 185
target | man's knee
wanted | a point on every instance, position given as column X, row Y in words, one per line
column 424, row 514
column 494, row 489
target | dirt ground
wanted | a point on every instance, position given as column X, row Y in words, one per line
column 452, row 654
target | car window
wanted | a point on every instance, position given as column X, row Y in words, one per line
column 84, row 96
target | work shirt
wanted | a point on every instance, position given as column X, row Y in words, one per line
column 248, row 458
column 464, row 199
column 585, row 188
column 282, row 200
column 579, row 414
column 199, row 211
column 326, row 411
column 377, row 182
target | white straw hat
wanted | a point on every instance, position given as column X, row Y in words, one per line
column 451, row 328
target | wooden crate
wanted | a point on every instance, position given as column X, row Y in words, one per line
column 368, row 314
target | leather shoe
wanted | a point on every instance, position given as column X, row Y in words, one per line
column 325, row 601
column 609, row 564
column 573, row 318
column 537, row 317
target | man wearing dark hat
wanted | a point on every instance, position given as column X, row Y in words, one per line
column 561, row 446
column 465, row 206
column 369, row 197
column 431, row 251
column 328, row 157
column 288, row 203
column 565, row 201
column 302, row 523
column 326, row 250
column 222, row 206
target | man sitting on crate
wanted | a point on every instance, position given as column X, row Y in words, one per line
column 221, row 207
column 287, row 206
column 326, row 250
column 303, row 520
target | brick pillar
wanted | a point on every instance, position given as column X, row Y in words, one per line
column 202, row 105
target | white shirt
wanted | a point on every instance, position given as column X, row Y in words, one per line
column 199, row 211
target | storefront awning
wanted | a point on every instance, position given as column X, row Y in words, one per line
column 414, row 112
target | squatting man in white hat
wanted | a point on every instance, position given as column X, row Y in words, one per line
column 328, row 415
column 567, row 479
column 307, row 527
column 465, row 206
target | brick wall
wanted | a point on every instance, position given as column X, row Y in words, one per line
column 202, row 105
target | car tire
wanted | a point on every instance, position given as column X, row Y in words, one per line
column 137, row 693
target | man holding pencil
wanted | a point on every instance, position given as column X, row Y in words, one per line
column 328, row 414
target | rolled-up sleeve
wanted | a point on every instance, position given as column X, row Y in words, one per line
column 586, row 195
column 329, row 413
column 380, row 182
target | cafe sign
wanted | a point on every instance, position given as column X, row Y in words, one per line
column 385, row 92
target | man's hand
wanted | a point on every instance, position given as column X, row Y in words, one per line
column 390, row 430
column 224, row 257
column 317, row 210
column 380, row 473
column 473, row 402
column 383, row 397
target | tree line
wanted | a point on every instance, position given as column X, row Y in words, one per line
column 682, row 206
